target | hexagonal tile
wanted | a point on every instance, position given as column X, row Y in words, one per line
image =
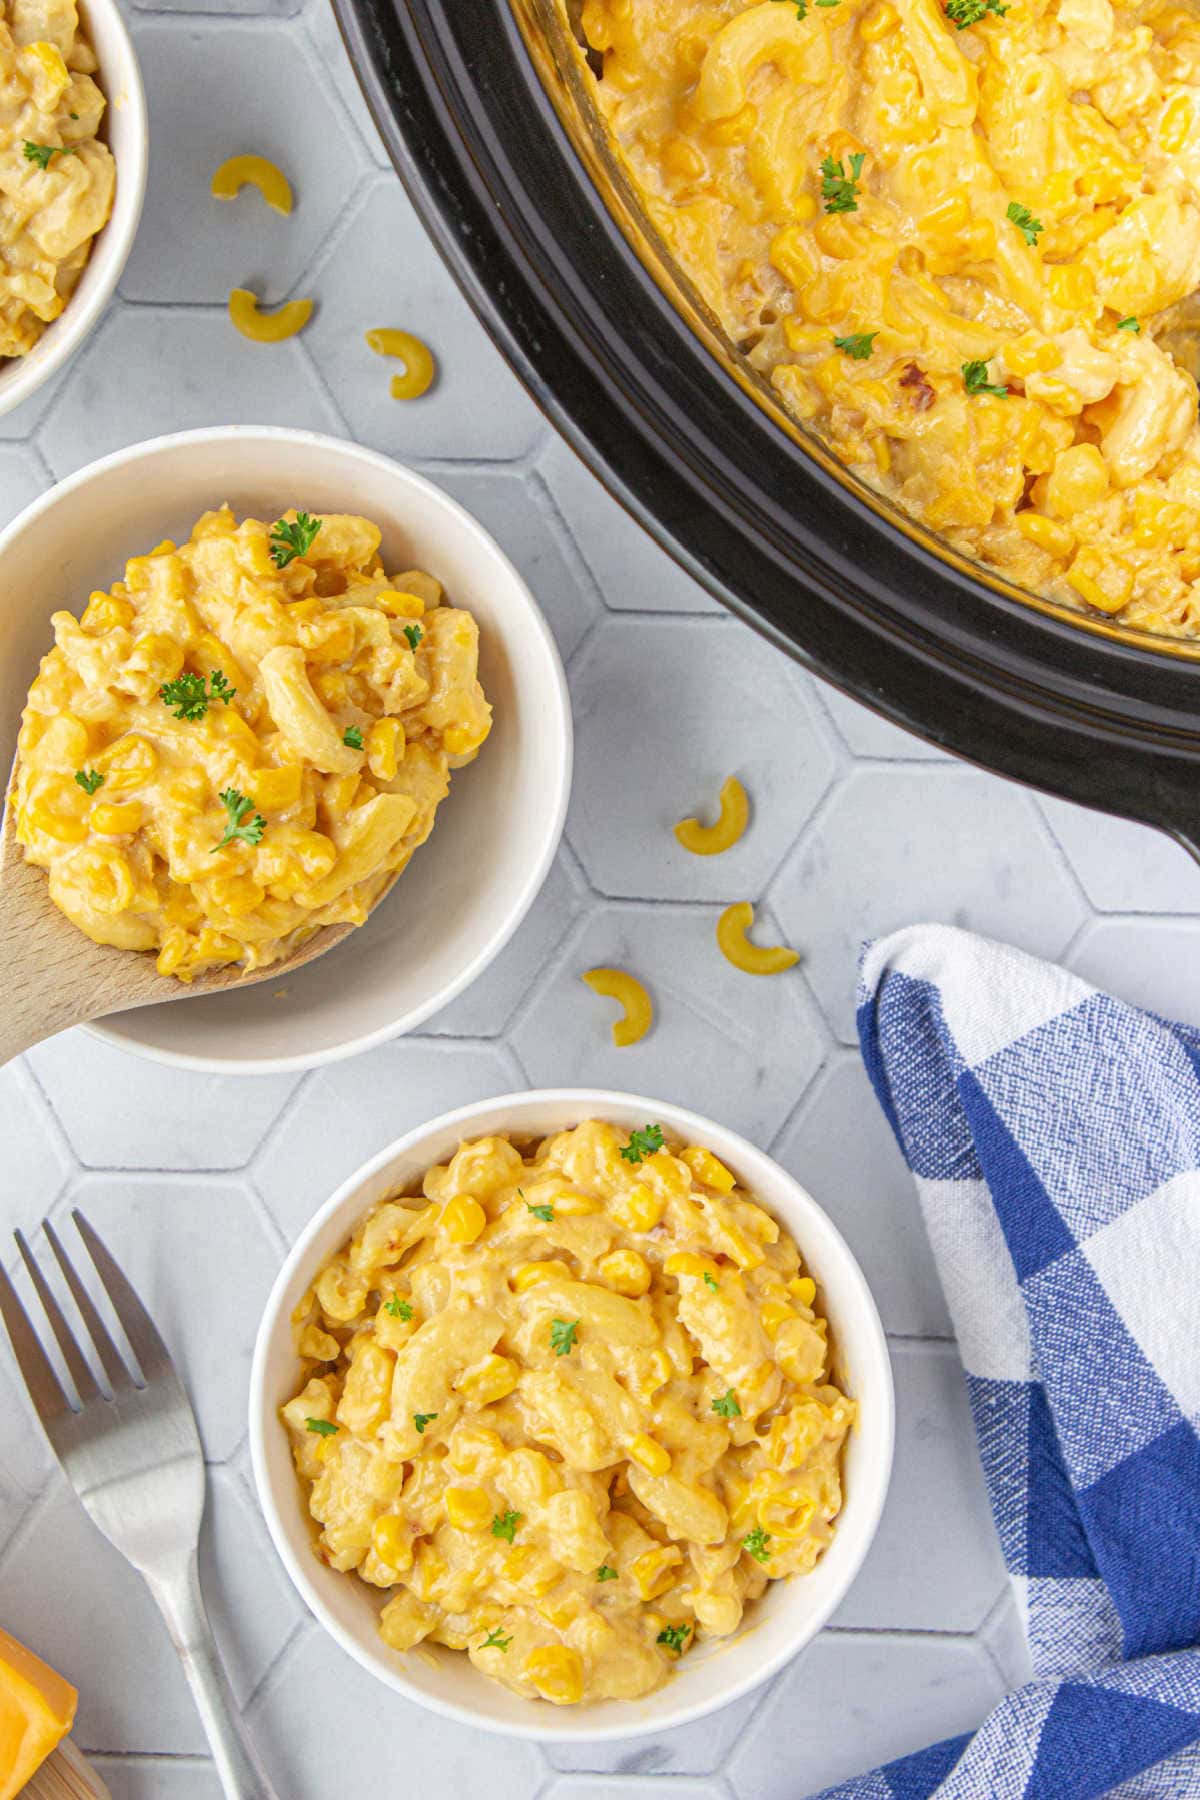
column 349, row 1741
column 901, row 846
column 1124, row 867
column 150, row 369
column 508, row 505
column 28, row 1463
column 695, row 1749
column 202, row 1262
column 935, row 1563
column 35, row 1162
column 870, row 735
column 490, row 1002
column 1153, row 963
column 22, row 480
column 347, row 1112
column 163, row 1119
column 664, row 711
column 381, row 269
column 236, row 1559
column 152, row 1778
column 709, row 1048
column 632, row 572
column 841, row 1148
column 851, row 1702
column 320, row 21
column 191, row 247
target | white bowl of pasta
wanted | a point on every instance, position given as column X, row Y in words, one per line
column 475, row 868
column 371, row 1512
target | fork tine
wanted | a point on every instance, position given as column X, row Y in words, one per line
column 136, row 1322
column 97, row 1330
column 77, row 1363
column 44, row 1390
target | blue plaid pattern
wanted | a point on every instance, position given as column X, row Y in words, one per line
column 1054, row 1134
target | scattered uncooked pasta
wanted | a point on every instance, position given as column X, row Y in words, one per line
column 238, row 172
column 711, row 840
column 419, row 366
column 267, row 328
column 627, row 990
column 735, row 946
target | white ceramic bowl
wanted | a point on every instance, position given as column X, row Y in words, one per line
column 789, row 1614
column 126, row 133
column 467, row 889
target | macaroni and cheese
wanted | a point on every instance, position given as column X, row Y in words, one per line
column 245, row 740
column 958, row 237
column 570, row 1408
column 56, row 178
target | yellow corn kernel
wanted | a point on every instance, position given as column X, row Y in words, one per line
column 569, row 1203
column 531, row 1273
column 735, row 946
column 238, row 895
column 654, row 1571
column 1071, row 285
column 158, row 655
column 463, row 1219
column 708, row 1168
column 267, row 328
column 882, row 452
column 800, row 337
column 105, row 612
column 804, row 1288
column 489, row 1379
column 391, row 1541
column 468, row 1508
column 55, row 824
column 462, row 740
column 625, row 1271
column 1105, row 582
column 686, row 1262
column 475, row 1450
column 838, row 235
column 238, row 172
column 637, row 1006
column 417, row 357
column 129, row 763
column 1175, row 124
column 333, row 687
column 737, row 128
column 879, row 22
column 385, row 747
column 275, row 789
column 115, row 821
column 401, row 605
column 773, row 1314
column 712, row 840
column 556, row 1671
column 1030, row 354
column 1047, row 534
column 795, row 256
column 683, row 159
column 637, row 1208
column 785, row 1515
column 1079, row 479
column 653, row 1458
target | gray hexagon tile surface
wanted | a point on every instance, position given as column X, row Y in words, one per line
column 200, row 1181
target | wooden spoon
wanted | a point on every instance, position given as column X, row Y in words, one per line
column 56, row 977
column 66, row 1775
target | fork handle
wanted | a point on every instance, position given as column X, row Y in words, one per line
column 180, row 1601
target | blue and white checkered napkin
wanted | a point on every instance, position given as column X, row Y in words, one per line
column 1054, row 1134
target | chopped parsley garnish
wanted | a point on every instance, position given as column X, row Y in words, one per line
column 975, row 379
column 642, row 1143
column 711, row 1281
column 237, row 806
column 398, row 1308
column 562, row 1336
column 504, row 1525
column 1029, row 227
column 604, row 1573
column 189, row 696
column 495, row 1640
column 1129, row 324
column 41, row 153
column 755, row 1544
column 322, row 1427
column 413, row 634
column 352, row 737
column 727, row 1406
column 89, row 779
column 674, row 1637
column 544, row 1213
column 801, row 8
column 969, row 12
column 290, row 540
column 421, row 1420
column 839, row 190
column 857, row 347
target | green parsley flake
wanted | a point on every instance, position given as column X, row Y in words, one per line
column 352, row 737
column 288, row 540
column 421, row 1420
column 544, row 1213
column 642, row 1144
column 674, row 1637
column 562, row 1335
column 41, row 153
column 398, row 1308
column 969, row 12
column 89, row 779
column 975, row 379
column 189, row 696
column 504, row 1525
column 604, row 1573
column 801, row 8
column 1029, row 227
column 727, row 1406
column 237, row 806
column 413, row 634
column 495, row 1640
column 1129, row 324
column 858, row 347
column 711, row 1281
column 839, row 190
column 755, row 1544
column 322, row 1427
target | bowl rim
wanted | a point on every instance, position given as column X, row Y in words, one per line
column 19, row 376
column 557, row 696
column 869, row 1338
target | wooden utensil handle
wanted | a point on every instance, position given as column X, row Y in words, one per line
column 66, row 1776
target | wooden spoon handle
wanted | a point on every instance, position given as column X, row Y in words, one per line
column 66, row 1776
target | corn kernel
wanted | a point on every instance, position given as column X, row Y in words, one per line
column 683, row 159
column 55, row 824
column 385, row 747
column 105, row 612
column 804, row 1288
column 1071, row 285
column 655, row 1571
column 685, row 1262
column 460, row 740
column 463, row 1219
column 708, row 1169
column 652, row 1457
column 490, row 1379
column 401, row 605
column 274, row 789
column 1047, row 534
column 638, row 1208
column 625, row 1271
column 1105, row 583
column 570, row 1204
column 238, row 895
column 468, row 1508
column 556, row 1671
column 115, row 821
column 391, row 1541
column 1030, row 354
column 531, row 1273
column 773, row 1314
column 475, row 1449
column 745, row 1254
column 881, row 450
column 1175, row 124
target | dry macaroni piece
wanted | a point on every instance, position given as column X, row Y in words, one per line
column 237, row 172
column 569, row 1409
column 714, row 840
column 735, row 946
column 245, row 740
column 267, row 327
column 637, row 1007
column 56, row 178
column 959, row 237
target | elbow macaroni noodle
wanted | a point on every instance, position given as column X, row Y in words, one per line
column 255, row 171
column 960, row 241
column 569, row 1412
column 627, row 990
column 713, row 840
column 735, row 946
column 329, row 704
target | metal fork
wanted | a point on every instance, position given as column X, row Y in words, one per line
column 133, row 1456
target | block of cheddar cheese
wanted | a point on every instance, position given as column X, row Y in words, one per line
column 37, row 1710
